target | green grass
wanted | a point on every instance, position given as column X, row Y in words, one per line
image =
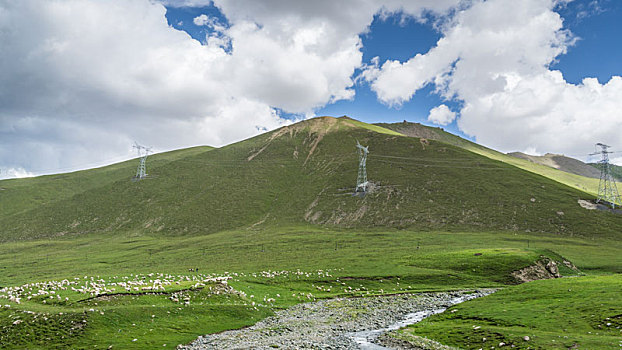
column 290, row 265
column 22, row 195
column 495, row 264
column 136, row 321
column 374, row 128
column 364, row 253
column 554, row 314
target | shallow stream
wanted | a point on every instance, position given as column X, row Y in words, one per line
column 366, row 339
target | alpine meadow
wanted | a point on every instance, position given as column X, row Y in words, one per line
column 214, row 239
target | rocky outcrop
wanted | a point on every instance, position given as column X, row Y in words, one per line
column 544, row 268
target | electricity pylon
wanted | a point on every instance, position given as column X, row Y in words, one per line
column 607, row 189
column 361, row 181
column 143, row 152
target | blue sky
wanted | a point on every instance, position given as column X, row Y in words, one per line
column 81, row 81
column 598, row 52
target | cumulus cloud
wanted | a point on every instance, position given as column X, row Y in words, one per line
column 312, row 48
column 495, row 57
column 81, row 79
column 441, row 115
column 15, row 173
column 201, row 20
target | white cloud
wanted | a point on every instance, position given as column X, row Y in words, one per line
column 441, row 115
column 81, row 79
column 311, row 47
column 79, row 88
column 216, row 36
column 209, row 21
column 12, row 173
column 495, row 57
column 201, row 20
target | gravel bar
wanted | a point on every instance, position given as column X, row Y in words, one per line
column 331, row 323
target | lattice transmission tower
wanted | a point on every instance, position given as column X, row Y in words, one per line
column 607, row 189
column 143, row 152
column 361, row 181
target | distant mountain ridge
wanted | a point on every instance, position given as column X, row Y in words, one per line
column 561, row 162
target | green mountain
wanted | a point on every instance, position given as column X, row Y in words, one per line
column 303, row 173
column 570, row 178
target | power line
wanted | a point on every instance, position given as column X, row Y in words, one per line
column 235, row 163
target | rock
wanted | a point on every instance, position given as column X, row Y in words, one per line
column 544, row 268
column 570, row 265
column 551, row 267
column 587, row 204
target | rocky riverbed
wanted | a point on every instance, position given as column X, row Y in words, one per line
column 343, row 323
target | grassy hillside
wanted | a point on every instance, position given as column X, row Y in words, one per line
column 616, row 170
column 582, row 183
column 22, row 195
column 307, row 173
column 549, row 314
